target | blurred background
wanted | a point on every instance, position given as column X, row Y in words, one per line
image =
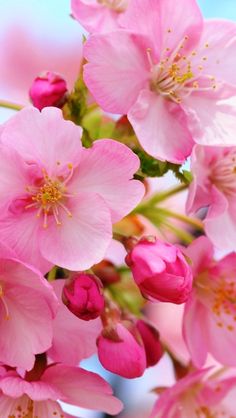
column 38, row 35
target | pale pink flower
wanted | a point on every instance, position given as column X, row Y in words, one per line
column 58, row 199
column 209, row 323
column 214, row 188
column 27, row 308
column 98, row 15
column 37, row 395
column 198, row 396
column 168, row 71
column 73, row 339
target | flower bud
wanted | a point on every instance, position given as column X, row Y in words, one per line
column 160, row 270
column 82, row 294
column 151, row 341
column 121, row 351
column 48, row 89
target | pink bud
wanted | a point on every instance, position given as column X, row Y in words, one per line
column 151, row 341
column 121, row 351
column 48, row 89
column 82, row 294
column 160, row 270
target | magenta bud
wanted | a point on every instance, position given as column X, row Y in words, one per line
column 121, row 351
column 82, row 294
column 160, row 270
column 151, row 341
column 48, row 89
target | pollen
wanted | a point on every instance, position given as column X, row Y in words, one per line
column 50, row 197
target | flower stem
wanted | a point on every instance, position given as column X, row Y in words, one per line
column 52, row 274
column 10, row 105
column 195, row 223
column 159, row 197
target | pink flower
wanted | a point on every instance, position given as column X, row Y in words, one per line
column 98, row 15
column 209, row 323
column 82, row 295
column 38, row 395
column 58, row 200
column 168, row 71
column 121, row 350
column 214, row 188
column 27, row 308
column 160, row 271
column 197, row 395
column 73, row 339
column 48, row 89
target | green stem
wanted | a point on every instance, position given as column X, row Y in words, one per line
column 159, row 197
column 180, row 233
column 195, row 223
column 9, row 105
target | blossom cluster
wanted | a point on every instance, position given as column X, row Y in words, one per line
column 89, row 254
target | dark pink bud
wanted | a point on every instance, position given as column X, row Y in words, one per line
column 160, row 270
column 82, row 294
column 151, row 341
column 48, row 89
column 121, row 351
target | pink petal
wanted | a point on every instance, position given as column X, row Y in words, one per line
column 81, row 240
column 194, row 332
column 21, row 233
column 200, row 252
column 171, row 395
column 106, row 169
column 77, row 385
column 94, row 17
column 44, row 137
column 118, row 69
column 221, row 340
column 13, row 176
column 161, row 127
column 220, row 38
column 221, row 229
column 164, row 21
column 29, row 325
column 210, row 122
column 73, row 339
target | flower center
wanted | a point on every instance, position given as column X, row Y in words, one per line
column 177, row 75
column 117, row 5
column 49, row 198
column 223, row 172
column 4, row 303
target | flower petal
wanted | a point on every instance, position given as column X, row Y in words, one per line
column 210, row 122
column 44, row 137
column 163, row 21
column 21, row 233
column 82, row 239
column 113, row 165
column 194, row 332
column 118, row 69
column 161, row 127
column 77, row 384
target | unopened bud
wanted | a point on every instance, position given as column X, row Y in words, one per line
column 151, row 341
column 82, row 294
column 48, row 89
column 160, row 270
column 121, row 351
